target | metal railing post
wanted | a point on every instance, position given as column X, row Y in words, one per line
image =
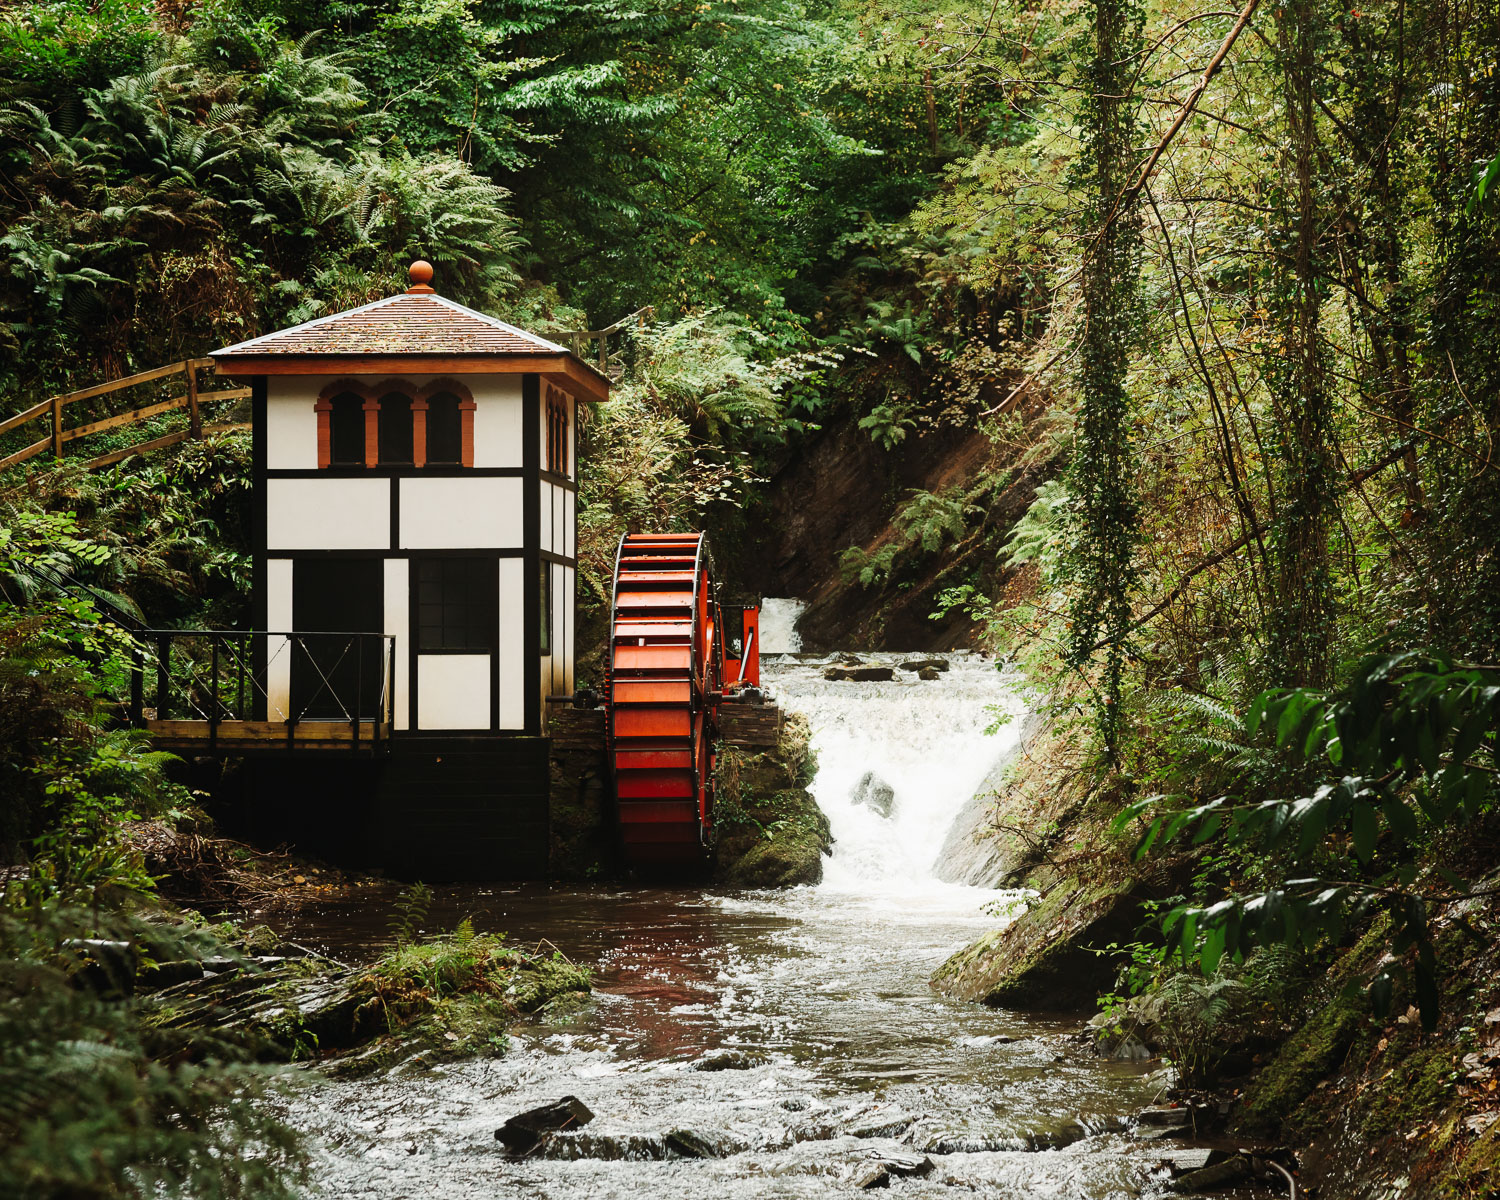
column 213, row 692
column 359, row 684
column 163, row 680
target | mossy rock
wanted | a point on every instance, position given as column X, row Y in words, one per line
column 1055, row 956
column 771, row 832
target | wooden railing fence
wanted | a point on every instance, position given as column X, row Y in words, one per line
column 192, row 399
column 577, row 342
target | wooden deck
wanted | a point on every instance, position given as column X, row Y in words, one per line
column 250, row 737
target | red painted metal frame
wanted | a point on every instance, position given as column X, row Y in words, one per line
column 664, row 680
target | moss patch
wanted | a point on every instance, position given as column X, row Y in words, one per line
column 771, row 832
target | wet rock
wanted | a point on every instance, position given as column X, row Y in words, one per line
column 1189, row 1158
column 929, row 674
column 523, row 1131
column 881, row 1124
column 796, row 1104
column 606, row 1147
column 1164, row 1117
column 924, row 664
column 731, row 1060
column 702, row 1143
column 875, row 1175
column 874, row 792
column 1211, row 1178
column 1056, row 955
column 860, row 674
column 980, row 849
column 849, row 660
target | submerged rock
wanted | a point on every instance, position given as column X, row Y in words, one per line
column 874, row 792
column 924, row 664
column 929, row 674
column 730, row 1060
column 523, row 1131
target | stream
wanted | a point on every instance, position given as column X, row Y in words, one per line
column 793, row 1032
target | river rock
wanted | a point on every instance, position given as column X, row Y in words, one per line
column 605, row 1147
column 929, row 674
column 874, row 792
column 924, row 664
column 730, row 1060
column 1212, row 1178
column 523, row 1131
column 702, row 1143
column 860, row 674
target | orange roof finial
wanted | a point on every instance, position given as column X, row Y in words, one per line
column 420, row 274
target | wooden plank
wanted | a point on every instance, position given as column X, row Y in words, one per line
column 100, row 389
column 226, row 394
column 30, row 414
column 749, row 724
column 228, row 427
column 31, row 451
column 104, row 460
column 125, row 418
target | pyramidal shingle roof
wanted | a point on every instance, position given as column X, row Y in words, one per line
column 415, row 322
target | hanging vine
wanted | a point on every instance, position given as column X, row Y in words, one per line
column 1105, row 518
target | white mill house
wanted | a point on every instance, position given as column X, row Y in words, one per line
column 415, row 481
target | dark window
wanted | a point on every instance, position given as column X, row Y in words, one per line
column 395, row 429
column 444, row 429
column 346, row 431
column 458, row 604
column 557, row 437
column 544, row 585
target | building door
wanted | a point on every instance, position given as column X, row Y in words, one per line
column 335, row 675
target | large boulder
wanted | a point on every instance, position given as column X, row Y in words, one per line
column 875, row 793
column 523, row 1131
column 771, row 832
column 1055, row 956
column 983, row 847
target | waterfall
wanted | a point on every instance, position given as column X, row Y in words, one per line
column 923, row 740
column 778, row 625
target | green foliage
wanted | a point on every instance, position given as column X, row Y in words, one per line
column 1411, row 746
column 411, row 907
column 1103, row 522
column 95, row 1103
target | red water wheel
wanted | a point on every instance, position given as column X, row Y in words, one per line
column 666, row 672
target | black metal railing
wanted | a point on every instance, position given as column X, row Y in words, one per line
column 280, row 679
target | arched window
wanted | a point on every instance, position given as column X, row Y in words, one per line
column 346, row 430
column 444, row 429
column 395, row 429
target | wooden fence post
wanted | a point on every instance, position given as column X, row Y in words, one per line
column 195, row 423
column 56, row 426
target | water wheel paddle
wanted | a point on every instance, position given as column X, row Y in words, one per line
column 664, row 684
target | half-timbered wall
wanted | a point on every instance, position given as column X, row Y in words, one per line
column 408, row 515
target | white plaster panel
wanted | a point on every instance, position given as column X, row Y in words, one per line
column 559, row 521
column 291, row 424
column 454, row 512
column 544, row 515
column 336, row 513
column 570, row 523
column 278, row 652
column 398, row 625
column 497, row 419
column 453, row 691
column 569, row 597
column 512, row 643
